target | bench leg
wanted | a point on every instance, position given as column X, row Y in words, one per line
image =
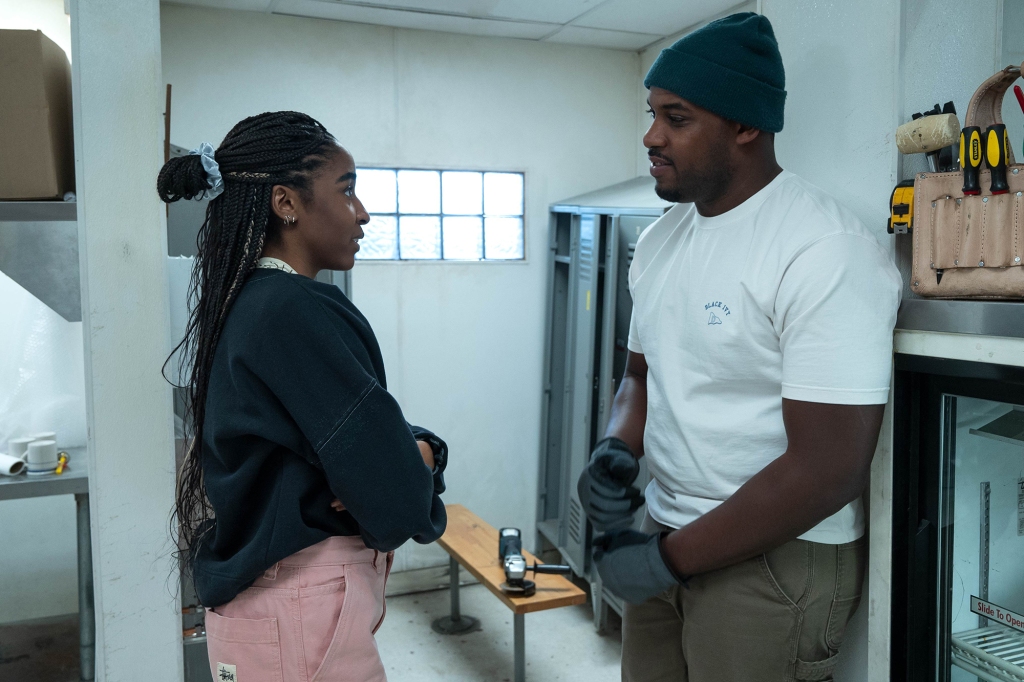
column 86, row 609
column 456, row 623
column 600, row 607
column 453, row 577
column 519, row 647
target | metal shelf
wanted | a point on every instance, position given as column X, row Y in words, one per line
column 38, row 211
column 1008, row 428
column 994, row 653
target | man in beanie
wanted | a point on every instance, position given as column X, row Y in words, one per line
column 759, row 365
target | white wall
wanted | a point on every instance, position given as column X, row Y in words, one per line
column 462, row 342
column 43, row 15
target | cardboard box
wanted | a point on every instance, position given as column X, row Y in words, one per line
column 37, row 155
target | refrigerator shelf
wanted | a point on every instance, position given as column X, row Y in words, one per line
column 993, row 653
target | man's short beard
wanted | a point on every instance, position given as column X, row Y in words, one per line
column 705, row 186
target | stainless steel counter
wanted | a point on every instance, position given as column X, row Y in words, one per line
column 74, row 481
column 986, row 318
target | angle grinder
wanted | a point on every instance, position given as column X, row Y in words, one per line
column 510, row 553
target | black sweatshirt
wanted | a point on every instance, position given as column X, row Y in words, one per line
column 297, row 414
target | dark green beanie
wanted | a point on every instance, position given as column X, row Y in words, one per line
column 731, row 67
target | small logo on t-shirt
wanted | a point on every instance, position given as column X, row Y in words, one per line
column 226, row 673
column 722, row 309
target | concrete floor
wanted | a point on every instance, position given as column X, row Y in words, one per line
column 44, row 650
column 561, row 644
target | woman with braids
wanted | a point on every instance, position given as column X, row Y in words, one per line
column 303, row 475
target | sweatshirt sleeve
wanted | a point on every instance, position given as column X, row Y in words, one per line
column 440, row 449
column 357, row 432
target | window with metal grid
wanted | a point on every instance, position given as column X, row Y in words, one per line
column 441, row 214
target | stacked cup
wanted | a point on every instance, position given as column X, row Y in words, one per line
column 42, row 454
column 37, row 454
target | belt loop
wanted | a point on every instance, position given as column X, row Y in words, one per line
column 271, row 573
column 376, row 554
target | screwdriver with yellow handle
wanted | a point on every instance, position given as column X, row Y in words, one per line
column 970, row 159
column 997, row 150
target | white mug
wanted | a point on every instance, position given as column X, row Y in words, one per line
column 42, row 455
column 18, row 447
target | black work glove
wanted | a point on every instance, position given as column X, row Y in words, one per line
column 608, row 499
column 632, row 565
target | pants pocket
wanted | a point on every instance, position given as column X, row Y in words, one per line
column 788, row 571
column 850, row 571
column 352, row 653
column 320, row 612
column 243, row 650
column 383, row 589
column 817, row 671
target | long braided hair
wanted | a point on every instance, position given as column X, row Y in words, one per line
column 278, row 148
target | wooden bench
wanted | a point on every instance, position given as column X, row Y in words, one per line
column 473, row 543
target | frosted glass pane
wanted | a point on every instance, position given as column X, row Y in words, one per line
column 503, row 194
column 419, row 191
column 420, row 237
column 381, row 239
column 377, row 189
column 462, row 193
column 463, row 238
column 503, row 238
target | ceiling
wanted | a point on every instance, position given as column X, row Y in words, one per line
column 617, row 24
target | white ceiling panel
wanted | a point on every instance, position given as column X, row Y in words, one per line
column 413, row 19
column 549, row 11
column 657, row 17
column 621, row 40
column 247, row 5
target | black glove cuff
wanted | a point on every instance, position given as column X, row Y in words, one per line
column 680, row 578
column 617, row 443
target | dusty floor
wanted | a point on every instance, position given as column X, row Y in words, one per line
column 40, row 651
column 561, row 644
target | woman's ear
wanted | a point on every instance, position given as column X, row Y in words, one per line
column 284, row 203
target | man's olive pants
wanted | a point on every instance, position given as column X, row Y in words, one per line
column 777, row 617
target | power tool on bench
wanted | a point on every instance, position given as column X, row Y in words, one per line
column 510, row 553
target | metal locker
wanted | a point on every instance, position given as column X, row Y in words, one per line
column 592, row 241
column 579, row 382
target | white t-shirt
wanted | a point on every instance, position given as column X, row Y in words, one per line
column 788, row 295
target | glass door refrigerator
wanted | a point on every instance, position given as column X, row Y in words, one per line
column 958, row 521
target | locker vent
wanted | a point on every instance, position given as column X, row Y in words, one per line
column 586, row 256
column 575, row 521
column 629, row 256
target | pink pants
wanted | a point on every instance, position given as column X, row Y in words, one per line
column 310, row 618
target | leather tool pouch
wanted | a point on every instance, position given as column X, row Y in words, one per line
column 971, row 246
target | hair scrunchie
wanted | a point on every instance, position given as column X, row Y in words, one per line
column 214, row 180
